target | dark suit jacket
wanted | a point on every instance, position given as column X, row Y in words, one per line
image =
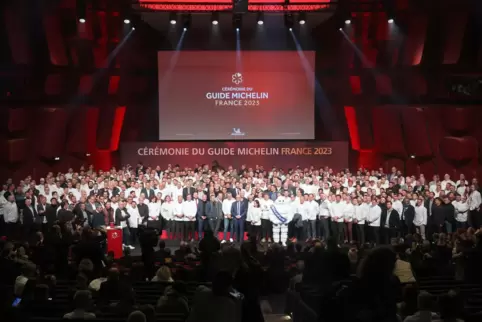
column 148, row 193
column 29, row 216
column 143, row 211
column 207, row 209
column 119, row 216
column 243, row 210
column 427, row 206
column 65, row 215
column 409, row 214
column 90, row 208
column 51, row 214
column 41, row 213
column 394, row 220
column 188, row 191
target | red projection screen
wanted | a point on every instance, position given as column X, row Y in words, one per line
column 229, row 95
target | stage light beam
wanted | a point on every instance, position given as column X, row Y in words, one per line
column 391, row 20
column 302, row 18
column 260, row 18
column 215, row 18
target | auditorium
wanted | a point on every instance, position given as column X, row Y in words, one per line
column 241, row 160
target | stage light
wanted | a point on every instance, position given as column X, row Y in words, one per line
column 302, row 18
column 172, row 18
column 340, row 29
column 87, row 154
column 237, row 21
column 127, row 21
column 133, row 28
column 186, row 21
column 215, row 18
column 81, row 20
column 391, row 20
column 291, row 29
column 347, row 21
column 412, row 156
column 289, row 20
column 57, row 158
column 260, row 18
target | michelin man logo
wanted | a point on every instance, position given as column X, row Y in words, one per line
column 237, row 78
column 115, row 235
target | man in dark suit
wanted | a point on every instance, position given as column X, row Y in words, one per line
column 51, row 212
column 392, row 223
column 41, row 220
column 202, row 215
column 29, row 215
column 429, row 203
column 188, row 190
column 90, row 206
column 407, row 217
column 65, row 215
column 239, row 212
column 143, row 210
column 148, row 191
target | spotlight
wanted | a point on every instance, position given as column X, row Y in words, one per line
column 302, row 18
column 289, row 20
column 412, row 156
column 127, row 21
column 172, row 18
column 347, row 21
column 237, row 20
column 82, row 20
column 260, row 18
column 87, row 154
column 186, row 21
column 215, row 18
column 57, row 158
column 391, row 20
column 340, row 29
column 133, row 28
column 291, row 29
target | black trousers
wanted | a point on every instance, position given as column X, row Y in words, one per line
column 190, row 231
column 179, row 230
column 266, row 229
column 324, row 228
column 374, row 234
column 360, row 233
column 255, row 231
column 134, row 233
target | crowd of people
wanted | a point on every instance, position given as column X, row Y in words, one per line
column 273, row 205
column 329, row 222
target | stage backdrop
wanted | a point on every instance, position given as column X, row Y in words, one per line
column 268, row 154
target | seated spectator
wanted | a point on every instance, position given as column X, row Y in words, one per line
column 174, row 300
column 82, row 302
column 297, row 279
column 409, row 304
column 149, row 312
column 403, row 269
column 163, row 274
column 163, row 253
column 116, row 293
column 450, row 308
column 81, row 284
column 28, row 271
column 219, row 304
column 424, row 313
column 136, row 316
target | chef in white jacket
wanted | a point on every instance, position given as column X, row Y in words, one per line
column 324, row 216
column 167, row 214
column 134, row 221
column 189, row 209
column 153, row 221
column 461, row 211
column 420, row 219
column 254, row 213
column 266, row 226
column 361, row 213
column 179, row 221
column 348, row 214
column 337, row 219
column 373, row 219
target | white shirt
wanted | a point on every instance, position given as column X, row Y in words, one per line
column 324, row 209
column 134, row 218
column 348, row 212
column 374, row 215
column 337, row 211
column 10, row 212
column 361, row 212
column 302, row 209
column 189, row 209
column 178, row 210
column 474, row 200
column 123, row 223
column 420, row 216
column 3, row 202
column 461, row 210
column 167, row 210
column 154, row 210
column 227, row 204
column 313, row 209
column 255, row 216
column 265, row 208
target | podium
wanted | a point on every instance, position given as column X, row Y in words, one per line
column 114, row 241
